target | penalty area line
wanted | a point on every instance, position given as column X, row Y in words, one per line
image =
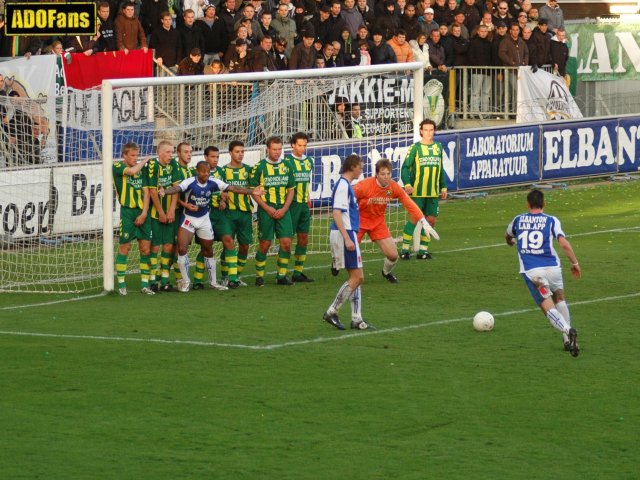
column 323, row 339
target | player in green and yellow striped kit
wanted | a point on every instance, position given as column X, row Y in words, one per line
column 274, row 217
column 163, row 214
column 180, row 173
column 239, row 207
column 130, row 181
column 425, row 181
column 302, row 167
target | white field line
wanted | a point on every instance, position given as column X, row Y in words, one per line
column 275, row 346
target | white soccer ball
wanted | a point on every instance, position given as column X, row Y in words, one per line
column 483, row 322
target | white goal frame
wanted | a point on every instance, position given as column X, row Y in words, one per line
column 415, row 69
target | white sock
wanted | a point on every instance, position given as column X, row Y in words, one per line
column 563, row 308
column 343, row 294
column 183, row 265
column 356, row 306
column 557, row 321
column 388, row 265
column 210, row 264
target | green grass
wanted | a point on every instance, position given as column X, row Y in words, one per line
column 262, row 388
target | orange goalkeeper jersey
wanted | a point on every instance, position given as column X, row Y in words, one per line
column 373, row 200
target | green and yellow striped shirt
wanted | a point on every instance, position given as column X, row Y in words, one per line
column 238, row 177
column 302, row 172
column 422, row 169
column 129, row 187
column 276, row 178
column 215, row 196
column 160, row 176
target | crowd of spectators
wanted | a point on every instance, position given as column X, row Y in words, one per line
column 440, row 33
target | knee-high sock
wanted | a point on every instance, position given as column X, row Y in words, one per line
column 144, row 271
column 183, row 265
column 563, row 308
column 557, row 321
column 344, row 293
column 176, row 267
column 231, row 263
column 210, row 264
column 121, row 269
column 261, row 260
column 407, row 236
column 242, row 261
column 283, row 263
column 224, row 265
column 424, row 243
column 165, row 262
column 153, row 268
column 300, row 255
column 356, row 305
column 198, row 275
column 388, row 265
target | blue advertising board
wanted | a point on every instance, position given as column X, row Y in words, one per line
column 499, row 157
column 579, row 149
column 629, row 145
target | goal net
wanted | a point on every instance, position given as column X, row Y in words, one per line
column 77, row 254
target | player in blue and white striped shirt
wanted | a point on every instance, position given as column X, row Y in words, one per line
column 344, row 245
column 533, row 232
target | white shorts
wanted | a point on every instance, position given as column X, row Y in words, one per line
column 201, row 226
column 343, row 258
column 550, row 277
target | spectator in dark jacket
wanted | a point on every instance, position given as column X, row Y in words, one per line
column 214, row 34
column 166, row 42
column 388, row 22
column 349, row 49
column 409, row 22
column 380, row 51
column 107, row 39
column 303, row 54
column 541, row 53
column 460, row 47
column 150, row 14
column 228, row 15
column 479, row 56
column 190, row 35
column 262, row 56
column 559, row 52
column 192, row 64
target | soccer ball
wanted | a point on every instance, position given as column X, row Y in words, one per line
column 483, row 321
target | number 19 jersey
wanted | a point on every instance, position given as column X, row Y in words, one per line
column 534, row 234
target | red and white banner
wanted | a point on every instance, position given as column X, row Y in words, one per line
column 84, row 72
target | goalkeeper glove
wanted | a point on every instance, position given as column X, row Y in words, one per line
column 428, row 229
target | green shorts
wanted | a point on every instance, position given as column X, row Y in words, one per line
column 428, row 205
column 300, row 217
column 162, row 233
column 128, row 229
column 241, row 225
column 220, row 223
column 267, row 226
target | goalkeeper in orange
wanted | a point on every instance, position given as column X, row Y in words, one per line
column 373, row 195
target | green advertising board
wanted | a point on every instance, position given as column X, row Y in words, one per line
column 605, row 52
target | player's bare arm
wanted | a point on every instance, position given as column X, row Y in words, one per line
column 568, row 251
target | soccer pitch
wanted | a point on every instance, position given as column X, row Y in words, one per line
column 250, row 383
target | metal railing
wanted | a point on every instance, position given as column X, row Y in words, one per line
column 484, row 92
